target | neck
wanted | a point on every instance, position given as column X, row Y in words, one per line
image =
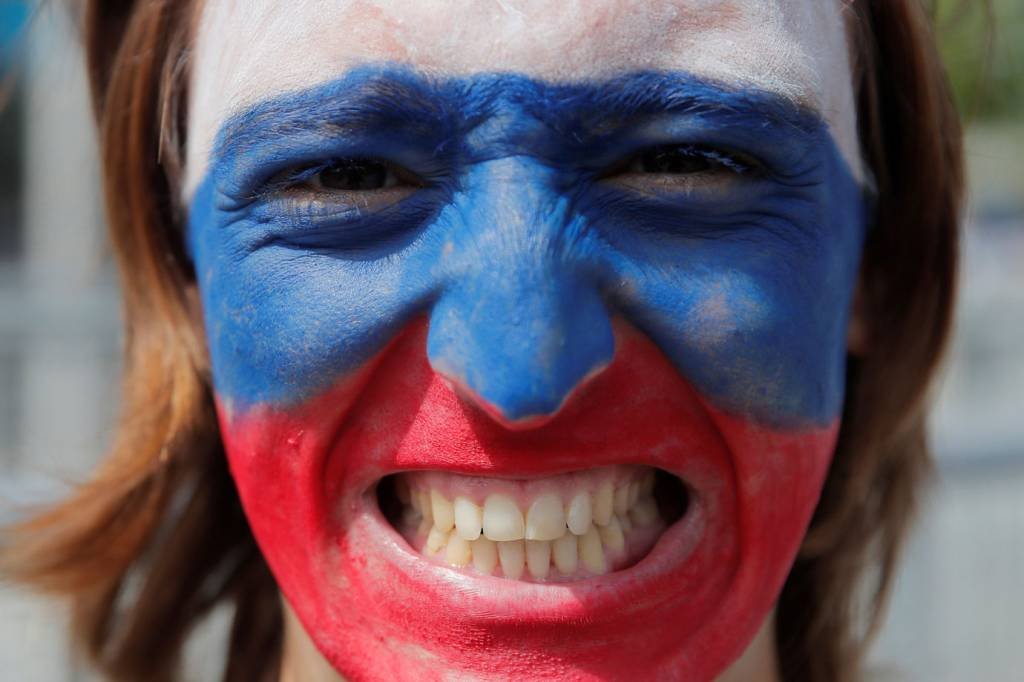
column 300, row 660
column 760, row 661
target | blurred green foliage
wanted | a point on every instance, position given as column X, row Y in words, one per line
column 982, row 42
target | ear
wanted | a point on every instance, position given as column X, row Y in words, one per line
column 858, row 329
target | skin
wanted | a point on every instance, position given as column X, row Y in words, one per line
column 692, row 321
column 301, row 662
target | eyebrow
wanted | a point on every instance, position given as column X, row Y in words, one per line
column 434, row 109
column 598, row 108
column 359, row 101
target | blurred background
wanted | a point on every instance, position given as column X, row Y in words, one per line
column 958, row 607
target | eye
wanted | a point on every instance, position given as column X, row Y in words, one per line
column 360, row 183
column 682, row 167
column 354, row 175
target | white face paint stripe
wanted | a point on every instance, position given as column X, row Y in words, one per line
column 252, row 50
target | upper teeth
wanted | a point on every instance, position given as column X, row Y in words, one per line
column 564, row 530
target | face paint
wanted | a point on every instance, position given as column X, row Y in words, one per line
column 650, row 270
column 796, row 49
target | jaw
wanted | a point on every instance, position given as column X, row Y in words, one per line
column 375, row 605
column 302, row 662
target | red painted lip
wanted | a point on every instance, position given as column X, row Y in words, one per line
column 374, row 606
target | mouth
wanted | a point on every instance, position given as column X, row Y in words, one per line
column 554, row 529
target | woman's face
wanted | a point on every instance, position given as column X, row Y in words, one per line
column 527, row 320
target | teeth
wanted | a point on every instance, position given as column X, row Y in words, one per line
column 402, row 491
column 502, row 519
column 603, row 503
column 644, row 512
column 611, row 535
column 565, row 554
column 444, row 514
column 621, row 501
column 512, row 556
column 457, row 552
column 411, row 517
column 545, row 520
column 587, row 530
column 423, row 506
column 436, row 539
column 538, row 558
column 468, row 519
column 578, row 517
column 647, row 484
column 485, row 555
column 592, row 553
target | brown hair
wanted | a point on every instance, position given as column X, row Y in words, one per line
column 157, row 538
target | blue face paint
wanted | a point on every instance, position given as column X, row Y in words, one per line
column 523, row 240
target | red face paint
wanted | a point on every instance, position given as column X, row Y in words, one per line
column 377, row 609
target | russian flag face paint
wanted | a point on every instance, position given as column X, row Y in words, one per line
column 533, row 290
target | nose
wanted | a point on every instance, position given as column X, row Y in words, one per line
column 519, row 354
column 522, row 324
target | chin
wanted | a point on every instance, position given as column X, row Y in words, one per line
column 639, row 532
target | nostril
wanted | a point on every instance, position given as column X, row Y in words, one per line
column 519, row 353
column 521, row 419
column 516, row 408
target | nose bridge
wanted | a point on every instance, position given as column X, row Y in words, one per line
column 521, row 323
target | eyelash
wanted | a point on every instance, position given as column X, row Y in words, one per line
column 296, row 177
column 709, row 162
column 717, row 160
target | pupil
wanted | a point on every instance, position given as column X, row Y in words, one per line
column 353, row 175
column 675, row 161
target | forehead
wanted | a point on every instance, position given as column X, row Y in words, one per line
column 249, row 51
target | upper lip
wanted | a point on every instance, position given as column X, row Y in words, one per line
column 527, row 456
